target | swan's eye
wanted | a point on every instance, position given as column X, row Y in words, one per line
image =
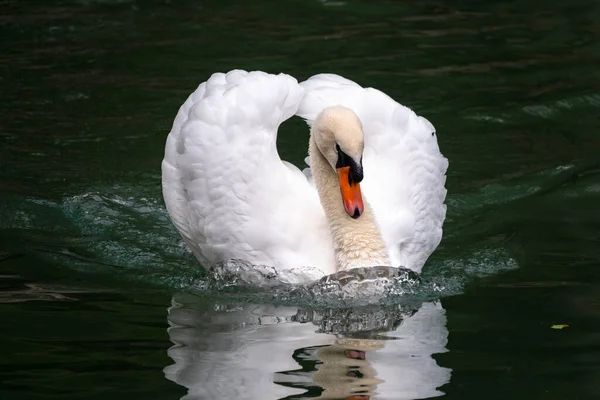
column 338, row 149
column 343, row 160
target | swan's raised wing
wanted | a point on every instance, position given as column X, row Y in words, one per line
column 225, row 187
column 403, row 167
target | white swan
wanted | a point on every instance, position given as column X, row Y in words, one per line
column 231, row 196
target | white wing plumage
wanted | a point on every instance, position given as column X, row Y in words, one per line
column 404, row 171
column 226, row 189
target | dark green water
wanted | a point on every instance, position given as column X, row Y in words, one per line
column 92, row 273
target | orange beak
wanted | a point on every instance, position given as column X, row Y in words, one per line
column 350, row 193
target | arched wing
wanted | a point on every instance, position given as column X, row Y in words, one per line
column 226, row 189
column 403, row 167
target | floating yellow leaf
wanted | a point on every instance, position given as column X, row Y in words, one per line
column 559, row 326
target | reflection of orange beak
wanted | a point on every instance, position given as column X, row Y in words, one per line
column 355, row 354
column 350, row 193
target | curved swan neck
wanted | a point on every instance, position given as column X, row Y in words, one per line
column 357, row 242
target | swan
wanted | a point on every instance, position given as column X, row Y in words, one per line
column 372, row 194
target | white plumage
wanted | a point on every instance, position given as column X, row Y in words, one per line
column 231, row 196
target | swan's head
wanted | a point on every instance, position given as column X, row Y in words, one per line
column 339, row 136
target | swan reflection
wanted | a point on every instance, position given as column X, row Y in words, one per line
column 246, row 351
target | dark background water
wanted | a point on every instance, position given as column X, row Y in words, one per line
column 90, row 263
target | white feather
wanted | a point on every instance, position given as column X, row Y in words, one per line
column 226, row 189
column 231, row 196
column 404, row 171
